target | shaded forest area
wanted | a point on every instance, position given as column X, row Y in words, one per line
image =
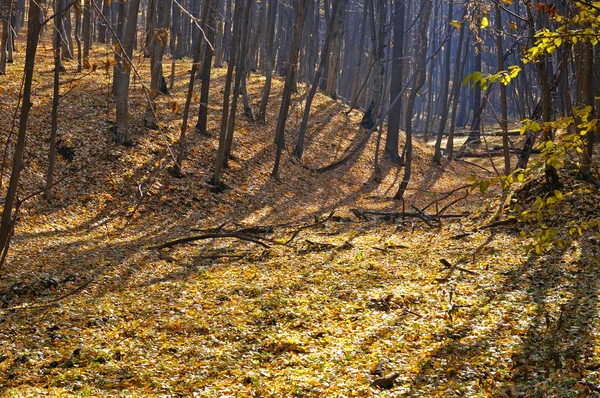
column 299, row 198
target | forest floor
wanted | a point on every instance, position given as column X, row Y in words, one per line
column 89, row 308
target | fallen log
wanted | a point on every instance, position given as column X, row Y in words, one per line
column 426, row 218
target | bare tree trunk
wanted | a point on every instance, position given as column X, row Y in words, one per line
column 87, row 22
column 459, row 68
column 391, row 142
column 78, row 36
column 58, row 6
column 123, row 68
column 585, row 96
column 5, row 10
column 206, row 67
column 475, row 134
column 240, row 72
column 269, row 58
column 157, row 83
column 360, row 52
column 437, row 156
column 218, row 45
column 299, row 150
column 336, row 46
column 67, row 35
column 301, row 8
column 221, row 151
column 207, row 16
column 504, row 120
column 33, row 32
column 420, row 52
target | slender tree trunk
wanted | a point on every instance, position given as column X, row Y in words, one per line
column 33, row 32
column 5, row 11
column 157, row 83
column 221, row 151
column 269, row 58
column 58, row 6
column 391, row 142
column 420, row 52
column 459, row 68
column 299, row 150
column 78, row 36
column 437, row 156
column 240, row 71
column 475, row 134
column 431, row 75
column 123, row 68
column 504, row 120
column 218, row 45
column 586, row 98
column 86, row 30
column 67, row 35
column 208, row 27
column 301, row 8
column 121, row 15
column 206, row 68
column 336, row 47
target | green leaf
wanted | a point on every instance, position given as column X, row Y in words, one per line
column 483, row 186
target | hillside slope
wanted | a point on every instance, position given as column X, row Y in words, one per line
column 89, row 308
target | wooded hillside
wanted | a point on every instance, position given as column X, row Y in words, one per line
column 299, row 198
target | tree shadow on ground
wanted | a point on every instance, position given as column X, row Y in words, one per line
column 554, row 315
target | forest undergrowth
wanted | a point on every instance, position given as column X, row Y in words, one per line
column 319, row 291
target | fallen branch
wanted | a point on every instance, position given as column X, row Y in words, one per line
column 210, row 236
column 424, row 217
column 298, row 230
column 589, row 385
column 51, row 303
column 446, row 195
column 401, row 214
column 452, row 267
column 474, row 164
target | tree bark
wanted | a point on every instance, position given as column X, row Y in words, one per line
column 437, row 156
column 301, row 8
column 269, row 58
column 420, row 52
column 299, row 150
column 157, row 83
column 33, row 32
column 123, row 68
column 391, row 142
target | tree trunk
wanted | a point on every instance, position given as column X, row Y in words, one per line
column 240, row 72
column 301, row 8
column 437, row 156
column 299, row 150
column 459, row 68
column 391, row 142
column 420, row 52
column 33, row 32
column 269, row 58
column 123, row 68
column 206, row 67
column 86, row 30
column 221, row 151
column 336, row 46
column 157, row 83
column 59, row 5
column 5, row 6
column 504, row 120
